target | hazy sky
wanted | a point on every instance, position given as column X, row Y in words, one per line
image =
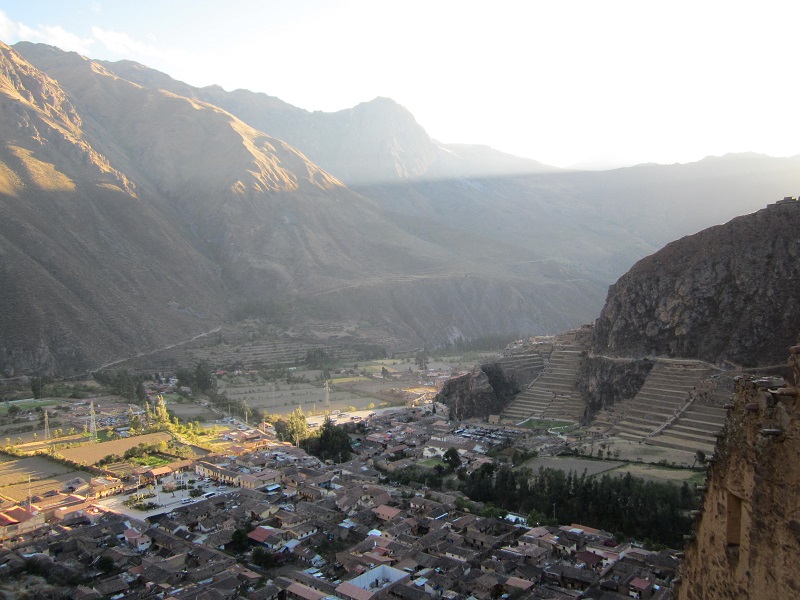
column 585, row 83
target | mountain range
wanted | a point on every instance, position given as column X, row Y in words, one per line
column 136, row 210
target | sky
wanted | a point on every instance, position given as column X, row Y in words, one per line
column 569, row 83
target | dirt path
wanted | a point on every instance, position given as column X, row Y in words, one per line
column 168, row 347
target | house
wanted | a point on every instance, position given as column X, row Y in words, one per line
column 370, row 584
column 386, row 513
column 16, row 520
column 137, row 541
column 271, row 538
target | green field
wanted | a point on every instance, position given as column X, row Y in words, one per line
column 431, row 463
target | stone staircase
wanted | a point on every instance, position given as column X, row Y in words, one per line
column 665, row 394
column 552, row 395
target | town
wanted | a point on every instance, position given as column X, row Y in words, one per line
column 236, row 508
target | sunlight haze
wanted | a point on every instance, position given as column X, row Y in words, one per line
column 571, row 84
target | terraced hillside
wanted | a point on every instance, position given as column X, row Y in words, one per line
column 553, row 394
column 679, row 406
column 696, row 427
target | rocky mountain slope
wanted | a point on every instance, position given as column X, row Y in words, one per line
column 162, row 204
column 82, row 274
column 138, row 210
column 599, row 223
column 728, row 293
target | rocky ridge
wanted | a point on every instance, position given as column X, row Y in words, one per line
column 728, row 293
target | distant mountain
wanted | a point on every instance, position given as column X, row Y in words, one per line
column 353, row 215
column 82, row 269
column 728, row 293
column 374, row 142
column 237, row 215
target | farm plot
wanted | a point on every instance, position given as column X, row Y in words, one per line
column 579, row 465
column 282, row 398
column 92, row 453
column 44, row 474
column 191, row 411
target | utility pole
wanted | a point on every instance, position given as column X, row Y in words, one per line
column 46, row 426
column 92, row 423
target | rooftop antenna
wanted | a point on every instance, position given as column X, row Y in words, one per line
column 29, row 494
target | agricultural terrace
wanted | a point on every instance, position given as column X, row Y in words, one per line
column 44, row 474
column 90, row 454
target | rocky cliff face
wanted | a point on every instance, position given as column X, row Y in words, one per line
column 485, row 391
column 731, row 292
column 603, row 381
column 748, row 537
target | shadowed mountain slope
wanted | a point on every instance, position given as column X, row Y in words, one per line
column 727, row 293
column 162, row 204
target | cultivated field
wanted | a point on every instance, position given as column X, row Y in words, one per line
column 617, row 468
column 566, row 464
column 281, row 398
column 91, row 453
column 44, row 475
column 191, row 411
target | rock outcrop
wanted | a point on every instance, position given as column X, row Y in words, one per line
column 490, row 387
column 728, row 293
column 748, row 537
column 603, row 381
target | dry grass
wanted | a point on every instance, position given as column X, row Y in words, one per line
column 91, row 453
column 44, row 474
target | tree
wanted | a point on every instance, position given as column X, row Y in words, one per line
column 185, row 377
column 239, row 541
column 421, row 360
column 318, row 359
column 699, row 457
column 452, row 458
column 262, row 558
column 296, row 426
column 333, row 443
column 37, row 387
column 203, row 379
column 105, row 564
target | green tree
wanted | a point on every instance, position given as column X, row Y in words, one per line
column 452, row 458
column 105, row 564
column 262, row 558
column 699, row 457
column 203, row 379
column 333, row 443
column 318, row 358
column 296, row 426
column 239, row 541
column 37, row 387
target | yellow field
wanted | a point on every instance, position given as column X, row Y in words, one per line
column 44, row 474
column 91, row 453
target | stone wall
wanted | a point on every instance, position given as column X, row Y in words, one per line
column 747, row 541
